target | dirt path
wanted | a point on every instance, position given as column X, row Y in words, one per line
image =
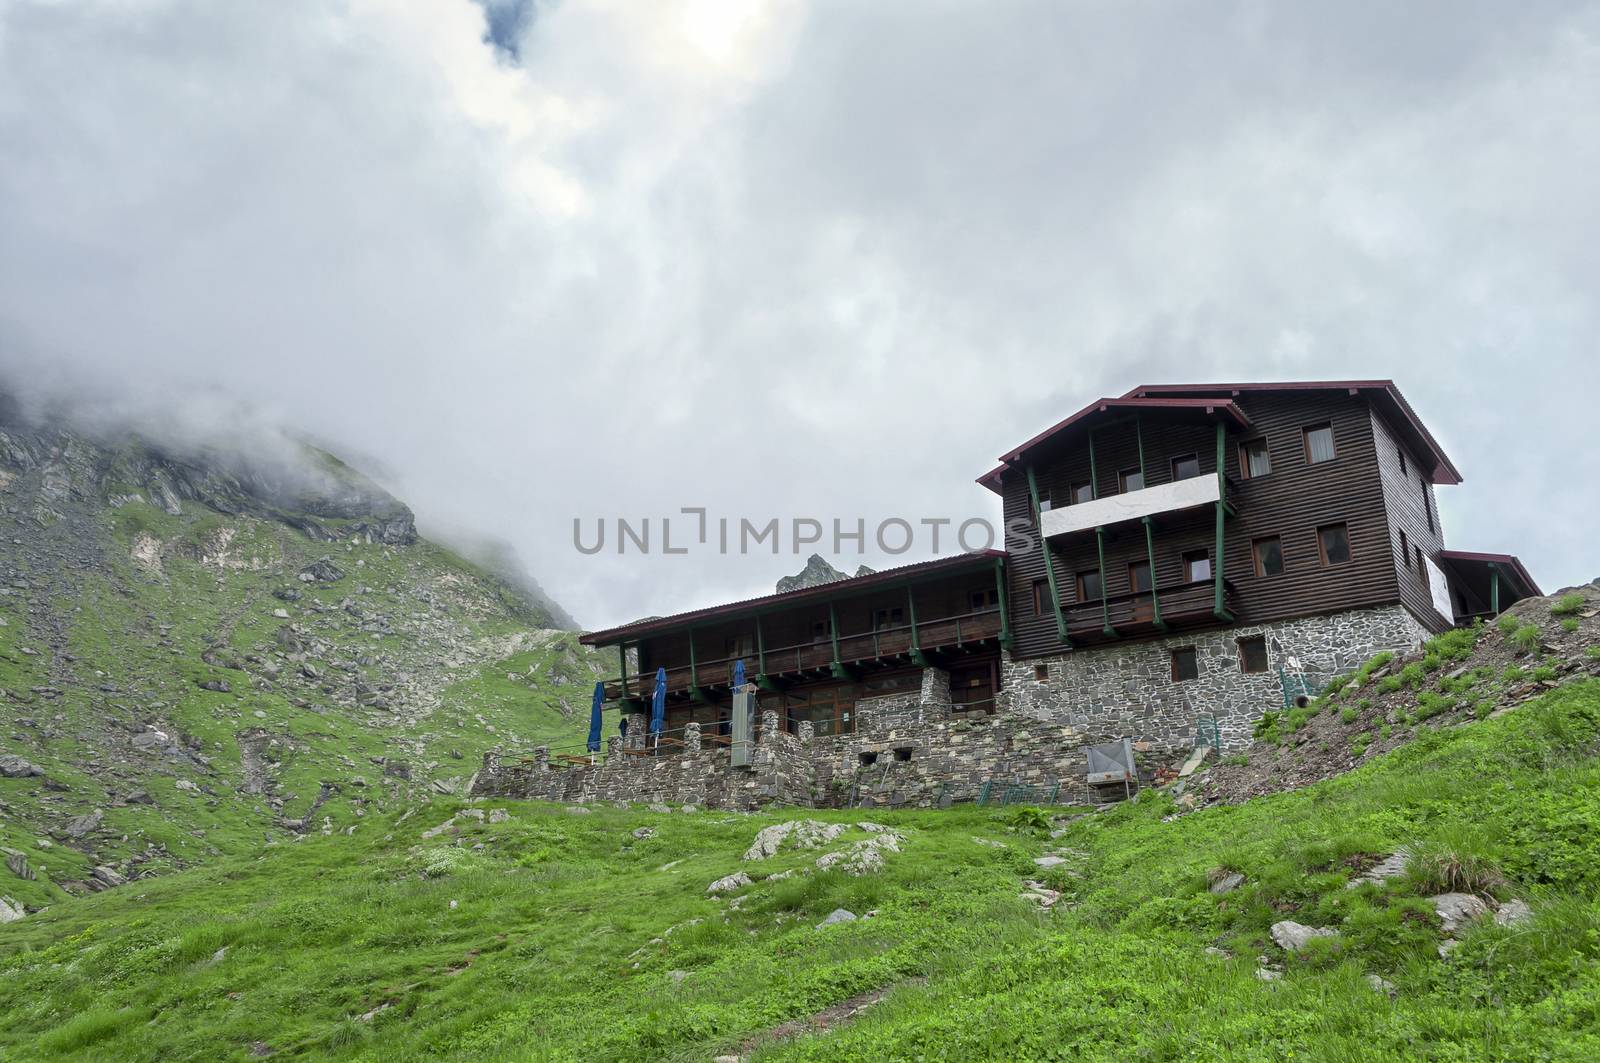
column 823, row 1021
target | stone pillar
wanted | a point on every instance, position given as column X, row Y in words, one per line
column 541, row 759
column 491, row 763
column 691, row 738
column 769, row 727
column 807, row 730
column 637, row 723
column 613, row 747
column 935, row 693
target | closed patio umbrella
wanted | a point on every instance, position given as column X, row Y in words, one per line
column 594, row 717
column 658, row 704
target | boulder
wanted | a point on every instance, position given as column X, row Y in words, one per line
column 79, row 826
column 17, row 864
column 1227, row 883
column 1456, row 910
column 1512, row 913
column 498, row 815
column 644, row 832
column 838, row 915
column 14, row 767
column 728, row 883
column 109, row 876
column 1293, row 937
column 11, row 910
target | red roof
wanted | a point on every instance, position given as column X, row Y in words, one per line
column 838, row 588
column 1382, row 392
column 1217, row 399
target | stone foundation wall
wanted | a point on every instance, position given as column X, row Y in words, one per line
column 914, row 748
column 1127, row 689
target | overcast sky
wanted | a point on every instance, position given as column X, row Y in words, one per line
column 820, row 259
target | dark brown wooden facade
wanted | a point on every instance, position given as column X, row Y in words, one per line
column 1360, row 488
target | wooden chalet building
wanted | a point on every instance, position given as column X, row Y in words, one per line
column 1178, row 554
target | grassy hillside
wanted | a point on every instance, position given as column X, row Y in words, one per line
column 557, row 934
column 193, row 683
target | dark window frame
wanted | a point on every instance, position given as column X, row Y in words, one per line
column 1041, row 673
column 1427, row 506
column 1193, row 659
column 1133, row 586
column 1173, row 465
column 1244, row 660
column 990, row 599
column 1122, row 479
column 1186, row 560
column 1400, row 452
column 1255, row 556
column 1076, row 489
column 1244, row 458
column 1041, row 597
column 1405, row 548
column 1305, row 443
column 1322, row 547
column 1079, row 588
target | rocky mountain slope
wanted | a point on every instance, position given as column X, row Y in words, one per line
column 204, row 653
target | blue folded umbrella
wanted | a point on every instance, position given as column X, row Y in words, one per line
column 594, row 717
column 658, row 703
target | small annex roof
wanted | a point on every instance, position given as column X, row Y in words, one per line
column 1509, row 564
column 922, row 570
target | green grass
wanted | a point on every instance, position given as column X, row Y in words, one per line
column 566, row 931
column 1567, row 605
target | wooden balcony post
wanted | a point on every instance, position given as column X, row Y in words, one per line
column 1094, row 477
column 918, row 658
column 1218, row 609
column 1000, row 591
column 1105, row 600
column 622, row 654
column 1494, row 588
column 1138, row 434
column 1049, row 566
column 761, row 649
column 837, row 666
column 1155, row 594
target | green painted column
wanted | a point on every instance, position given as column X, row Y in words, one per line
column 1049, row 565
column 622, row 658
column 1155, row 595
column 1217, row 607
column 1105, row 600
column 761, row 648
column 1138, row 432
column 1494, row 589
column 833, row 630
column 694, row 678
column 1005, row 614
column 1094, row 476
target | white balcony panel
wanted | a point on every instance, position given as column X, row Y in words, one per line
column 1112, row 509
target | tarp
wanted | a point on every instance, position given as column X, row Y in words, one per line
column 738, row 674
column 594, row 717
column 658, row 703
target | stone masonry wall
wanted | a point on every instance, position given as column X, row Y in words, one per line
column 1127, row 689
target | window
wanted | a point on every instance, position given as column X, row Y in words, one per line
column 1405, row 549
column 1319, row 443
column 1041, row 673
column 1269, row 556
column 1081, row 493
column 1253, row 654
column 1421, row 568
column 740, row 646
column 1041, row 597
column 883, row 619
column 820, row 632
column 985, row 599
column 1400, row 453
column 1139, row 577
column 1130, row 480
column 1185, row 664
column 1196, row 566
column 1088, row 586
column 1186, row 467
column 1427, row 505
column 1254, row 460
column 1333, row 542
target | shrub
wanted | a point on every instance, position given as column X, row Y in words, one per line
column 1266, row 728
column 1359, row 746
column 1459, row 859
column 1349, row 714
column 1525, row 639
column 1412, row 676
column 1544, row 674
column 1593, row 653
column 1507, row 624
column 1569, row 624
column 1377, row 661
column 1454, row 645
column 1513, row 674
column 1430, row 704
column 1389, row 684
column 1567, row 605
column 1029, row 819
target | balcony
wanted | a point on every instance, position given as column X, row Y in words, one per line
column 885, row 646
column 1175, row 497
column 1182, row 605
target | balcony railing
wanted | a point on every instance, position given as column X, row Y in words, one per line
column 886, row 643
column 1174, row 497
column 1182, row 604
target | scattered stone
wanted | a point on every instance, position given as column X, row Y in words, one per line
column 727, row 884
column 79, row 826
column 1212, row 950
column 988, row 842
column 658, row 807
column 17, row 863
column 838, row 915
column 498, row 815
column 1512, row 913
column 14, row 767
column 804, row 833
column 677, row 976
column 1226, row 882
column 260, row 1048
column 644, row 832
column 187, row 786
column 577, row 810
column 1447, row 946
column 11, row 910
column 1049, row 861
column 1267, row 974
column 109, row 876
column 216, row 686
column 471, row 813
column 1380, row 985
column 1457, row 910
column 864, row 857
column 1293, row 937
column 1392, row 866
